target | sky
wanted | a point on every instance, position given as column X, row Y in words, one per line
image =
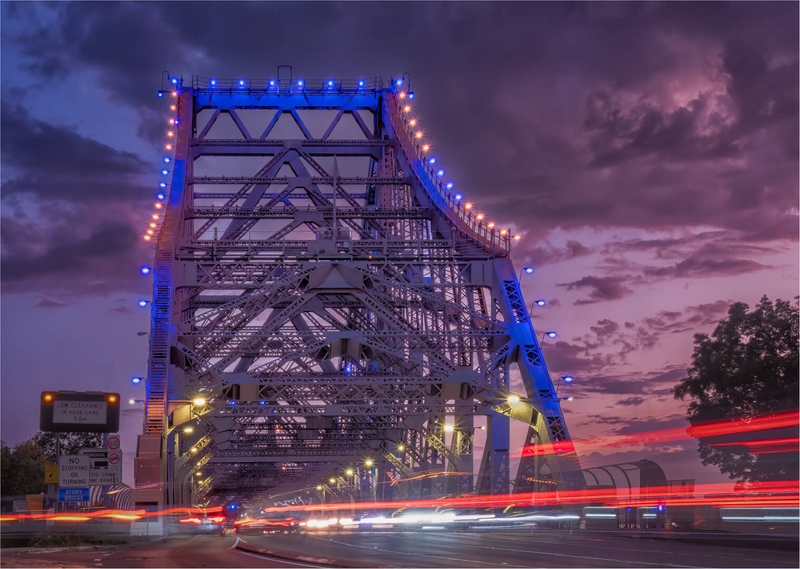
column 647, row 153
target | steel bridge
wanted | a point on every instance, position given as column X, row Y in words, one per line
column 329, row 313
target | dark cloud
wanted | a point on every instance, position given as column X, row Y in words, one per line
column 698, row 267
column 711, row 310
column 73, row 257
column 631, row 401
column 602, row 288
column 545, row 254
column 51, row 303
column 56, row 163
column 604, row 328
column 656, row 86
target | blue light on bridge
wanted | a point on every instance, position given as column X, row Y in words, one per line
column 262, row 402
column 161, row 196
column 330, row 83
column 241, row 82
column 360, row 83
column 145, row 270
column 398, row 82
column 164, row 172
column 568, row 379
column 551, row 334
column 271, row 82
column 142, row 303
column 411, row 94
column 449, row 186
column 300, row 83
column 457, row 197
column 540, row 302
column 213, row 82
column 231, row 402
column 432, row 161
column 162, row 185
column 440, row 173
column 166, row 159
column 136, row 380
column 174, row 80
column 529, row 270
column 160, row 94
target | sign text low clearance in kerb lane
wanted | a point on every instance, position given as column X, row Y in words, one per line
column 92, row 412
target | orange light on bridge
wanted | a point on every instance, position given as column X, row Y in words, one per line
column 426, row 147
column 147, row 238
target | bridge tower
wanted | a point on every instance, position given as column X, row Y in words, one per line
column 328, row 312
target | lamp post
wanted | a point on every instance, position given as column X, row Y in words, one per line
column 526, row 270
column 566, row 378
column 549, row 334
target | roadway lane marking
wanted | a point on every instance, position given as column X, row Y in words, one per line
column 577, row 542
column 634, row 563
column 490, row 563
column 235, row 543
column 276, row 559
column 643, row 542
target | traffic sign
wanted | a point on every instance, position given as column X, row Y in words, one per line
column 103, row 477
column 79, row 412
column 73, row 470
column 113, row 442
column 51, row 474
column 103, row 458
column 73, row 494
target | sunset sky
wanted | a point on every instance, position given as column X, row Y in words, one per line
column 648, row 154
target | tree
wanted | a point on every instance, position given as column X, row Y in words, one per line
column 748, row 367
column 22, row 469
column 71, row 443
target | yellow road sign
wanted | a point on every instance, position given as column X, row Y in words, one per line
column 51, row 474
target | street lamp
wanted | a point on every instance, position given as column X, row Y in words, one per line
column 540, row 302
column 527, row 270
column 566, row 378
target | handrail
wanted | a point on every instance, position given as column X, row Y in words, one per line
column 442, row 197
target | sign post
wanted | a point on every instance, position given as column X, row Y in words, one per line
column 79, row 412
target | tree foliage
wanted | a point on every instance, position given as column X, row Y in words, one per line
column 71, row 443
column 22, row 469
column 747, row 367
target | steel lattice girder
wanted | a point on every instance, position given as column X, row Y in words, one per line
column 339, row 294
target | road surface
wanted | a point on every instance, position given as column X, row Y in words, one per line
column 537, row 548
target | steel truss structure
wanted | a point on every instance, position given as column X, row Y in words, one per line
column 350, row 323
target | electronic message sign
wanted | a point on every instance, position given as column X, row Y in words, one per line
column 79, row 412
